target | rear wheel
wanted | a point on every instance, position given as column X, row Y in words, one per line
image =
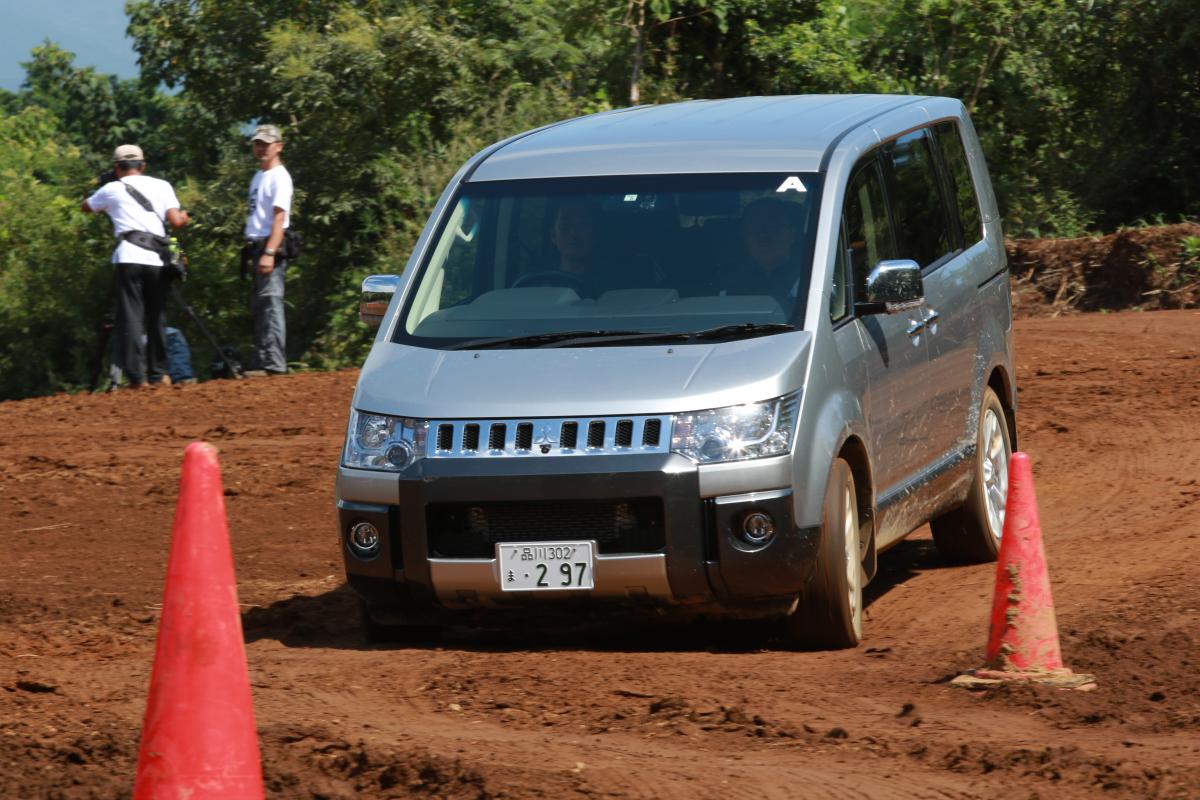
column 971, row 533
column 831, row 605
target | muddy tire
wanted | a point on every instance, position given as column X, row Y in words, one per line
column 829, row 615
column 971, row 533
column 376, row 632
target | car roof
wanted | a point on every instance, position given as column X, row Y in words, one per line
column 745, row 134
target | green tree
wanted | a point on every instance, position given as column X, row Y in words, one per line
column 1084, row 109
column 94, row 111
column 52, row 261
column 1087, row 112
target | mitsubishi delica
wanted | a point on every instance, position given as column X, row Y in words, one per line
column 706, row 359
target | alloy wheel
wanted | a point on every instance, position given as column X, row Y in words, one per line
column 853, row 568
column 995, row 471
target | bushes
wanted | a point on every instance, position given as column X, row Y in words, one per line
column 53, row 260
column 1087, row 112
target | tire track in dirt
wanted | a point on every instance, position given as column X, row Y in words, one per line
column 701, row 711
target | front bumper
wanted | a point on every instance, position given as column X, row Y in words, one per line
column 696, row 561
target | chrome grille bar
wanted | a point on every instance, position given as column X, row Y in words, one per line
column 541, row 437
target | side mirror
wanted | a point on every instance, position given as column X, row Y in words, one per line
column 893, row 286
column 377, row 291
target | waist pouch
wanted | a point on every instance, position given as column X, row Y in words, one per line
column 147, row 241
column 289, row 248
column 292, row 244
column 252, row 250
column 172, row 260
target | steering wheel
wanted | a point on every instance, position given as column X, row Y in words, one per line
column 551, row 277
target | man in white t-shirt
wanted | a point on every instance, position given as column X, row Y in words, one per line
column 141, row 280
column 263, row 254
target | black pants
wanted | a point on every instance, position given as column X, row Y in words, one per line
column 141, row 296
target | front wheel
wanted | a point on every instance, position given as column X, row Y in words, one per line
column 971, row 534
column 830, row 611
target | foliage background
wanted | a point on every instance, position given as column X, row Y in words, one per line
column 1087, row 108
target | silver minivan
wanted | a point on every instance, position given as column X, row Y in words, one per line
column 706, row 359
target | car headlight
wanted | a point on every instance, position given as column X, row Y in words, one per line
column 379, row 441
column 737, row 433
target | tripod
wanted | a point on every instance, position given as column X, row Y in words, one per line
column 108, row 323
column 106, row 327
column 234, row 368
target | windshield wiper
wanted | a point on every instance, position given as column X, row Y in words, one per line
column 741, row 330
column 584, row 338
column 537, row 339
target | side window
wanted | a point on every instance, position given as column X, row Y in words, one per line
column 955, row 158
column 867, row 236
column 922, row 225
column 838, row 300
column 460, row 262
column 448, row 274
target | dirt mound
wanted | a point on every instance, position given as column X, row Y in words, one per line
column 1138, row 268
column 312, row 762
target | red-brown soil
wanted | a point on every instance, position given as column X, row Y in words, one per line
column 1108, row 409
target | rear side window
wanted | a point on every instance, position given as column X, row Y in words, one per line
column 868, row 237
column 955, row 158
column 918, row 212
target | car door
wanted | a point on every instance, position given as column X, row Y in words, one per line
column 894, row 402
column 927, row 231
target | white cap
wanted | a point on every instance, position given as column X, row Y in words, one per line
column 128, row 152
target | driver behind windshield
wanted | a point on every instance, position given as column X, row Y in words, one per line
column 574, row 237
column 769, row 233
column 580, row 263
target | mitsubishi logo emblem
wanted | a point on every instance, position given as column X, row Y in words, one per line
column 547, row 437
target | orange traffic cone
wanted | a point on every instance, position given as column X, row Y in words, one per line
column 198, row 737
column 1023, row 641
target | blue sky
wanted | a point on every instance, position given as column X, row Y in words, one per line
column 94, row 30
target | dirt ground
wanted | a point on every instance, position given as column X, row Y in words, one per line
column 1108, row 410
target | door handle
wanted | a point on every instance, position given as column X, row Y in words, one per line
column 931, row 320
column 914, row 328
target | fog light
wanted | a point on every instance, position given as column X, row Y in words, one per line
column 364, row 539
column 758, row 528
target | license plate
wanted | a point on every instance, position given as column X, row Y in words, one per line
column 545, row 566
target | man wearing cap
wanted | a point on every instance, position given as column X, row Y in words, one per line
column 142, row 283
column 270, row 215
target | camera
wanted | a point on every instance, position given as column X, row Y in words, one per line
column 108, row 176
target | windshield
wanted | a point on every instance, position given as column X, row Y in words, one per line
column 615, row 257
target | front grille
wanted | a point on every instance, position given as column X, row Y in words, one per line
column 471, row 530
column 496, row 437
column 535, row 437
column 651, row 432
column 596, row 433
column 568, row 436
column 524, row 436
column 624, row 437
column 470, row 440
